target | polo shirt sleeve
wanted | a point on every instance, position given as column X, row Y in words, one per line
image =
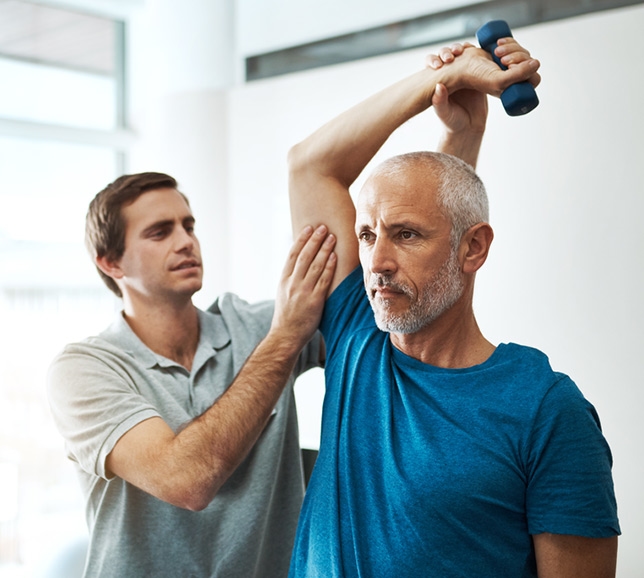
column 94, row 401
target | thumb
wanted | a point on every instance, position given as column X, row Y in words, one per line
column 440, row 101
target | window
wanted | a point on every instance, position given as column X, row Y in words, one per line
column 44, row 93
column 61, row 128
column 59, row 66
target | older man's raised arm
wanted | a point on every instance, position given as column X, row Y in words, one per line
column 324, row 165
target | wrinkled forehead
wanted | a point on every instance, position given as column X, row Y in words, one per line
column 400, row 192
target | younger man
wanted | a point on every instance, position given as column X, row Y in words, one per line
column 181, row 422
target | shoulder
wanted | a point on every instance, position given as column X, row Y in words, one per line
column 93, row 364
column 531, row 363
column 555, row 398
column 240, row 315
column 535, row 364
column 347, row 319
column 114, row 354
column 531, row 383
column 92, row 348
column 352, row 283
column 347, row 304
column 524, row 354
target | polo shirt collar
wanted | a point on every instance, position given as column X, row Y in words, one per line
column 213, row 336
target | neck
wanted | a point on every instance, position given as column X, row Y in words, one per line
column 452, row 341
column 168, row 329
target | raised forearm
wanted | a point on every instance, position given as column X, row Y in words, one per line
column 341, row 148
column 322, row 167
column 465, row 145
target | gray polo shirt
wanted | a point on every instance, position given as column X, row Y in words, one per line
column 103, row 386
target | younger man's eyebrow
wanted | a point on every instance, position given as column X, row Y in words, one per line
column 157, row 225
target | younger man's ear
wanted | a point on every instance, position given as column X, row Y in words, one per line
column 108, row 266
column 475, row 246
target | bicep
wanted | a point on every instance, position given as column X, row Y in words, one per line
column 325, row 201
column 565, row 556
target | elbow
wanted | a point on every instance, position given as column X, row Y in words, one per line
column 192, row 498
column 297, row 159
column 192, row 484
column 191, row 493
column 195, row 503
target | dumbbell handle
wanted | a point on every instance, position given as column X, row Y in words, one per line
column 519, row 98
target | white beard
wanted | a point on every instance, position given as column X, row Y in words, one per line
column 436, row 297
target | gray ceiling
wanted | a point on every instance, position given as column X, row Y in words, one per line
column 50, row 35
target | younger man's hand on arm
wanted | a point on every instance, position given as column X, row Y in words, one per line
column 306, row 278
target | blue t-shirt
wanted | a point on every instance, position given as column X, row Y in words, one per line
column 426, row 471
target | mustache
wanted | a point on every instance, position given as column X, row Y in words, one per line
column 386, row 281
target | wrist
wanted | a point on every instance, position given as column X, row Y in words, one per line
column 466, row 136
column 464, row 144
column 463, row 135
column 450, row 76
column 283, row 344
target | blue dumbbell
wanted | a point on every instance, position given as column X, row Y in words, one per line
column 519, row 98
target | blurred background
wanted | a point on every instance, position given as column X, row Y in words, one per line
column 215, row 92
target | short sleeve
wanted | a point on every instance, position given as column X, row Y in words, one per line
column 570, row 487
column 94, row 401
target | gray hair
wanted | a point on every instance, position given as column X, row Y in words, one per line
column 461, row 196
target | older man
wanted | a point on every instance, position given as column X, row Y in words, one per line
column 442, row 454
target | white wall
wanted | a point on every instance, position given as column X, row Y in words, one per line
column 181, row 64
column 567, row 198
